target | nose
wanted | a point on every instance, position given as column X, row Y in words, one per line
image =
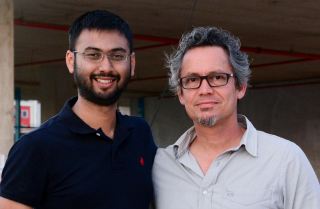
column 205, row 88
column 106, row 64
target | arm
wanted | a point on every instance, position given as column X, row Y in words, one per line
column 9, row 204
column 301, row 186
column 24, row 175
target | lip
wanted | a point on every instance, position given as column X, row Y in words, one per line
column 207, row 104
column 104, row 82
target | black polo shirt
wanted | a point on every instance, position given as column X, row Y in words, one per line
column 66, row 164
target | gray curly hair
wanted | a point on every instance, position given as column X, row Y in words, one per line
column 209, row 36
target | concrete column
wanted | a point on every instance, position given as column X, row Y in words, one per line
column 6, row 79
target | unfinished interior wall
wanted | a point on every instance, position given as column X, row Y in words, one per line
column 51, row 84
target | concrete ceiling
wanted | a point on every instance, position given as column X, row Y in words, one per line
column 282, row 37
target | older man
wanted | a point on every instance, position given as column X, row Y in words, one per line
column 223, row 162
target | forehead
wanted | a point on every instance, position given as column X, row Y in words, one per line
column 101, row 39
column 205, row 59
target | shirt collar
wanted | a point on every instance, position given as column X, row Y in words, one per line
column 249, row 139
column 71, row 120
column 77, row 125
column 182, row 144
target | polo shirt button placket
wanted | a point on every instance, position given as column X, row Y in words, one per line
column 98, row 134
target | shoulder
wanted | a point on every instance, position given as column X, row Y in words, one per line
column 286, row 152
column 166, row 167
column 165, row 155
column 295, row 172
column 134, row 120
column 272, row 142
column 269, row 144
column 37, row 138
column 137, row 124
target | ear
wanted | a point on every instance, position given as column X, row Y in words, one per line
column 70, row 61
column 133, row 63
column 181, row 96
column 241, row 91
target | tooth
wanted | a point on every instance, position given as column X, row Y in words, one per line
column 104, row 81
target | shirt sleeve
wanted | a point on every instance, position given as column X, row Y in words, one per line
column 301, row 186
column 24, row 174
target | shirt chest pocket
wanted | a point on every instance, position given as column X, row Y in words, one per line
column 248, row 199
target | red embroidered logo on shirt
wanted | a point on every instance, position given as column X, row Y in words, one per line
column 141, row 161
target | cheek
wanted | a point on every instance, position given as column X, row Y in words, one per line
column 232, row 101
column 187, row 101
column 181, row 99
column 86, row 67
column 125, row 75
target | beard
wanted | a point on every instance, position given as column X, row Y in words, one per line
column 86, row 89
column 207, row 121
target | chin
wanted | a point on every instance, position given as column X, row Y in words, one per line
column 207, row 121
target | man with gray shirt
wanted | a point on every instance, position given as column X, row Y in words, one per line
column 223, row 162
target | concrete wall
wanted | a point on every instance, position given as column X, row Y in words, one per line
column 290, row 112
column 6, row 78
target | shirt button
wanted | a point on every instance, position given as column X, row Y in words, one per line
column 205, row 192
column 98, row 134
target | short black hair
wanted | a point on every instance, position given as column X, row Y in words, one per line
column 99, row 20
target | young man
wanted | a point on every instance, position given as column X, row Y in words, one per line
column 223, row 162
column 89, row 156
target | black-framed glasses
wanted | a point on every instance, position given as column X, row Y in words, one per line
column 213, row 79
column 97, row 56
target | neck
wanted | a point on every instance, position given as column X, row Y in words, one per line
column 211, row 142
column 221, row 136
column 96, row 116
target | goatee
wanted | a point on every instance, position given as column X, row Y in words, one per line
column 207, row 122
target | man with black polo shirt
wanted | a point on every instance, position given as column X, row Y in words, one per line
column 88, row 156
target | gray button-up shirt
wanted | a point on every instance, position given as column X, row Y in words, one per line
column 263, row 172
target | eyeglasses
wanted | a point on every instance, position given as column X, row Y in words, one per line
column 95, row 56
column 213, row 79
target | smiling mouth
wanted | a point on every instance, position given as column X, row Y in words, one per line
column 105, row 79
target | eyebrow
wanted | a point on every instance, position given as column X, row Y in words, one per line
column 191, row 74
column 119, row 49
column 92, row 48
column 209, row 73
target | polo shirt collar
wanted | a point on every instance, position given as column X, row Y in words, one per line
column 123, row 127
column 77, row 125
column 71, row 120
column 249, row 139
